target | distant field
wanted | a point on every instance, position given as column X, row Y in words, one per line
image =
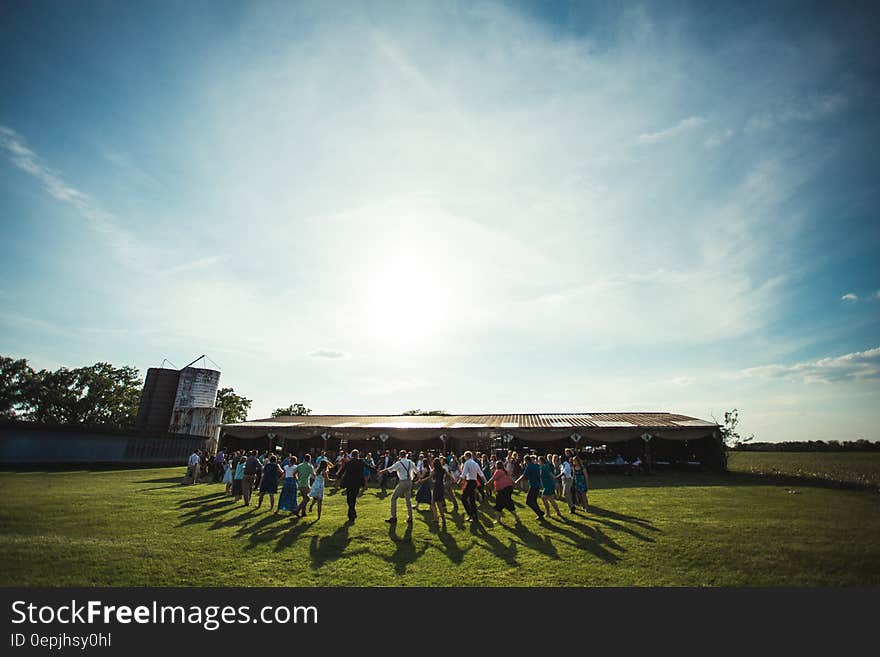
column 141, row 528
column 862, row 468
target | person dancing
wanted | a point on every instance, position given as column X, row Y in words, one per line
column 404, row 469
column 532, row 474
column 287, row 501
column 269, row 481
column 581, row 481
column 317, row 490
column 351, row 479
column 424, row 481
column 503, row 484
column 472, row 475
column 548, row 483
column 304, row 474
column 565, row 476
column 227, row 475
column 439, row 474
column 449, row 481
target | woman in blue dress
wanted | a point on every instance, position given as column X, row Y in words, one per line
column 488, row 471
column 237, row 479
column 369, row 466
column 548, row 485
column 269, row 481
column 581, row 481
column 287, row 501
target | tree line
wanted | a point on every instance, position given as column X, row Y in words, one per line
column 98, row 394
column 95, row 395
column 861, row 445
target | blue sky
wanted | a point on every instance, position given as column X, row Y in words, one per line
column 468, row 206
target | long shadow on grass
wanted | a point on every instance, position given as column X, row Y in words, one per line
column 405, row 552
column 324, row 549
column 266, row 529
column 200, row 501
column 451, row 550
column 602, row 516
column 490, row 543
column 290, row 536
column 614, row 515
column 591, row 539
column 532, row 541
column 208, row 508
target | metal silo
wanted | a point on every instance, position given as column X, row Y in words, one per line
column 198, row 421
column 197, row 388
column 157, row 399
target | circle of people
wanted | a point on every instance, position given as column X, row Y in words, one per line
column 433, row 476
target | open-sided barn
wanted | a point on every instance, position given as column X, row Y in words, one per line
column 659, row 436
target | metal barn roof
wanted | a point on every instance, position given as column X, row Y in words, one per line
column 511, row 421
column 611, row 426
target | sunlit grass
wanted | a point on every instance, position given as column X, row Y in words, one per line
column 860, row 468
column 140, row 527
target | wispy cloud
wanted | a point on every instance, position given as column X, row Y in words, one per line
column 125, row 246
column 717, row 139
column 850, row 297
column 812, row 107
column 332, row 354
column 857, row 367
column 680, row 127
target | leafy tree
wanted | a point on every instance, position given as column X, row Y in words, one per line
column 728, row 438
column 99, row 394
column 15, row 378
column 293, row 409
column 729, row 435
column 235, row 407
column 419, row 411
column 107, row 394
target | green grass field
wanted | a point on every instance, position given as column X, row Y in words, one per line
column 141, row 528
column 858, row 468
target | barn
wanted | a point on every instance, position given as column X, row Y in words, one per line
column 663, row 439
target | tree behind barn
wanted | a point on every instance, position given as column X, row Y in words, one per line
column 235, row 407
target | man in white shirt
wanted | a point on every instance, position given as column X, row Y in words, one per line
column 566, row 476
column 404, row 469
column 472, row 474
column 193, row 465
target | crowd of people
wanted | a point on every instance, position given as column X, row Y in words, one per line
column 428, row 478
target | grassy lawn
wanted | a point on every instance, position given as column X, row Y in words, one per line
column 860, row 468
column 140, row 527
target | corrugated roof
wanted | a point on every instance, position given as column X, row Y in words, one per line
column 510, row 421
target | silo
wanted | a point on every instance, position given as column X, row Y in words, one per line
column 197, row 388
column 198, row 421
column 157, row 399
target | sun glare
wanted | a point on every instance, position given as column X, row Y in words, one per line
column 407, row 300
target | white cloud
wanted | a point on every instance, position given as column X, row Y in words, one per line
column 332, row 354
column 668, row 133
column 856, row 367
column 812, row 107
column 718, row 138
column 125, row 247
column 850, row 297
